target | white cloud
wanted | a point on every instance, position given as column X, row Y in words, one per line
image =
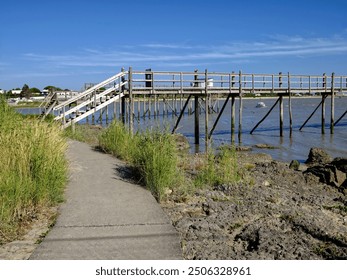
column 189, row 55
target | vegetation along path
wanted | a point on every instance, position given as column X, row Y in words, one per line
column 107, row 217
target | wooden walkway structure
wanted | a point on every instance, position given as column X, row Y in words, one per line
column 147, row 88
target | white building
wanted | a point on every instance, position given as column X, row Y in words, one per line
column 2, row 91
column 16, row 91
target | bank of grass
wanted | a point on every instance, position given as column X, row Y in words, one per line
column 162, row 167
column 152, row 153
column 218, row 168
column 33, row 169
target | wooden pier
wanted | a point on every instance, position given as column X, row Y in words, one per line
column 197, row 93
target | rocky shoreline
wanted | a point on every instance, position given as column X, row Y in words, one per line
column 277, row 211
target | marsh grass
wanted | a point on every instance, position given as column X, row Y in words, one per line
column 156, row 158
column 217, row 169
column 153, row 153
column 117, row 140
column 162, row 167
column 33, row 169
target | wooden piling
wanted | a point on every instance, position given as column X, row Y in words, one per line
column 323, row 113
column 107, row 114
column 332, row 111
column 131, row 102
column 240, row 108
column 123, row 108
column 281, row 115
column 290, row 107
column 196, row 120
column 206, row 112
column 232, row 122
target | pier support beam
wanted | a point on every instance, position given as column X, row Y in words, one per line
column 240, row 108
column 196, row 120
column 314, row 111
column 332, row 116
column 324, row 96
column 218, row 117
column 290, row 108
column 340, row 118
column 232, row 122
column 281, row 115
column 206, row 112
column 268, row 113
column 181, row 114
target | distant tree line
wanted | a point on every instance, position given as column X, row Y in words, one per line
column 27, row 92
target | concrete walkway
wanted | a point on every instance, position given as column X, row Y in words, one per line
column 106, row 217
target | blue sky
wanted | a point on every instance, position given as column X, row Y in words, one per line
column 68, row 43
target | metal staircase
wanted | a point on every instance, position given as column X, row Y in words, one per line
column 91, row 100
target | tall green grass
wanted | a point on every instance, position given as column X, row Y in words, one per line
column 33, row 169
column 217, row 169
column 116, row 139
column 156, row 158
column 153, row 153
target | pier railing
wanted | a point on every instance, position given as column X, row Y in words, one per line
column 125, row 86
column 157, row 82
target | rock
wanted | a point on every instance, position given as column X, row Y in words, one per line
column 243, row 148
column 294, row 164
column 266, row 183
column 340, row 178
column 340, row 163
column 328, row 174
column 265, row 146
column 318, row 156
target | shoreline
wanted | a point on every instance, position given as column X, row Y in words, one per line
column 274, row 212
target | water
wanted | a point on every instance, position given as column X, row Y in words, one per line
column 287, row 148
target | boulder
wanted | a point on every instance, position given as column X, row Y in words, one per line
column 318, row 156
column 340, row 163
column 328, row 174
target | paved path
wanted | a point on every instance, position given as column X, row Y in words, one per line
column 105, row 217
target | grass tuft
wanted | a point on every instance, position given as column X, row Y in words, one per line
column 33, row 169
column 153, row 153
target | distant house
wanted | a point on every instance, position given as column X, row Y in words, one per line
column 66, row 94
column 45, row 91
column 16, row 91
column 2, row 91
